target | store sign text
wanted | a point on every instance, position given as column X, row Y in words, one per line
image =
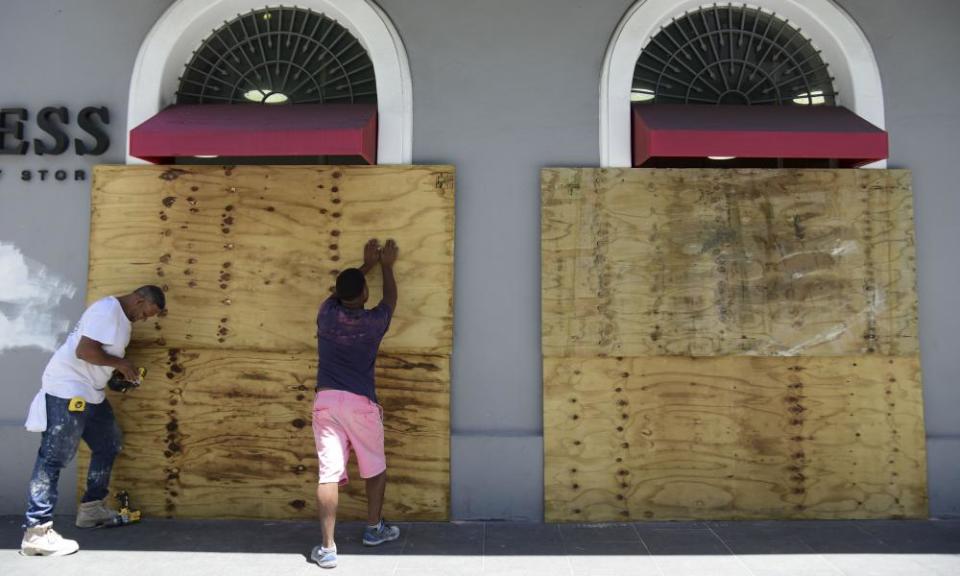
column 54, row 122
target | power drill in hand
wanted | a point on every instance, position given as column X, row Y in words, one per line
column 118, row 384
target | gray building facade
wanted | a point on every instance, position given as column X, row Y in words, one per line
column 499, row 89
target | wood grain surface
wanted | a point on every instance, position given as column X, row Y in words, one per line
column 733, row 437
column 247, row 253
column 730, row 344
column 642, row 262
column 227, row 434
column 222, row 426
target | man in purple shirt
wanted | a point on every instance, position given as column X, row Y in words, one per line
column 345, row 413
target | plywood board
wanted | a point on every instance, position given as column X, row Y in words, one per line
column 733, row 437
column 640, row 262
column 246, row 254
column 227, row 434
column 222, row 427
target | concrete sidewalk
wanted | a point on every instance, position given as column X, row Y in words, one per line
column 237, row 548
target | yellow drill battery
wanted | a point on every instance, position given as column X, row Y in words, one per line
column 77, row 404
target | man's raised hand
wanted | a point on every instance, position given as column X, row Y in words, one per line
column 389, row 253
column 371, row 253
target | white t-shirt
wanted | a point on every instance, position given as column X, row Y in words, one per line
column 67, row 376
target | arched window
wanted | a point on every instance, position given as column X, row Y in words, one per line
column 279, row 56
column 356, row 30
column 684, row 50
column 731, row 55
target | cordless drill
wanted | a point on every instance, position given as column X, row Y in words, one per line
column 117, row 383
column 125, row 515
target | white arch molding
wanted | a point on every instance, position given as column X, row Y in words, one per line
column 830, row 29
column 171, row 42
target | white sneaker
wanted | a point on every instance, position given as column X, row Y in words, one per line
column 43, row 540
column 95, row 513
column 324, row 557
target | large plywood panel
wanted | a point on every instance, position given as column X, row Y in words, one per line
column 246, row 254
column 733, row 437
column 227, row 434
column 222, row 427
column 639, row 262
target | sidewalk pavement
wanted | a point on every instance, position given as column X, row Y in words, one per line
column 244, row 547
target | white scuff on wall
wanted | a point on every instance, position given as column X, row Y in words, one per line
column 29, row 296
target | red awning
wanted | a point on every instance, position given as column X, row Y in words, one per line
column 816, row 132
column 257, row 130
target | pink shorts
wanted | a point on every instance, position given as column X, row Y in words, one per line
column 342, row 420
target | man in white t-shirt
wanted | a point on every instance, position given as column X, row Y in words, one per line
column 72, row 405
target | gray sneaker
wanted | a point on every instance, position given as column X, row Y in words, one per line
column 379, row 534
column 43, row 540
column 324, row 557
column 95, row 513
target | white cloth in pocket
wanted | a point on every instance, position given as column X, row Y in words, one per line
column 37, row 416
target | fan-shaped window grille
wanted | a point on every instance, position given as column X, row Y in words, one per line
column 731, row 55
column 279, row 55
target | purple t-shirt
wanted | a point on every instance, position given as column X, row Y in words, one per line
column 347, row 344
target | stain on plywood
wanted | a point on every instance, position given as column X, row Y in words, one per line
column 715, row 262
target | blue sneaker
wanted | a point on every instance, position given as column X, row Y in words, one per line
column 382, row 532
column 325, row 557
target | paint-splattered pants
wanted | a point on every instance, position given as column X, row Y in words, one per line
column 98, row 428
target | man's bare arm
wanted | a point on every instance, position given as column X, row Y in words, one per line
column 388, row 256
column 89, row 350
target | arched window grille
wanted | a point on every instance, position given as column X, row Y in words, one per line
column 731, row 54
column 279, row 55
